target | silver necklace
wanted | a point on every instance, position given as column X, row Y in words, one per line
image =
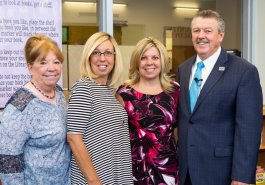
column 47, row 96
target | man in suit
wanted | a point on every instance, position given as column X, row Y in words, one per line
column 219, row 138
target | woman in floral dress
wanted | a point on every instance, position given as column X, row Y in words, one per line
column 150, row 98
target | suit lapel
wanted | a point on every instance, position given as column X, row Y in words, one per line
column 186, row 78
column 216, row 73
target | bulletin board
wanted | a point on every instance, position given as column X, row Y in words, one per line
column 19, row 20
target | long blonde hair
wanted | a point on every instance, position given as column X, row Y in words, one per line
column 94, row 41
column 141, row 47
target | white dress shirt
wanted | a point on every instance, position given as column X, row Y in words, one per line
column 208, row 66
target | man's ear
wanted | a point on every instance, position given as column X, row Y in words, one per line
column 221, row 36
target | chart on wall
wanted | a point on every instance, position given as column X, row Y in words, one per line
column 20, row 19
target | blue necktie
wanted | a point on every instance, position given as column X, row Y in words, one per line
column 196, row 85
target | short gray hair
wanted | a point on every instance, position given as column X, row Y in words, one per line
column 212, row 14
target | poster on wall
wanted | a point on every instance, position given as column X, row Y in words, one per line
column 20, row 19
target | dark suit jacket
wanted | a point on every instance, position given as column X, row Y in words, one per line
column 220, row 140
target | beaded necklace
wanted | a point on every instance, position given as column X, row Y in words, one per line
column 47, row 96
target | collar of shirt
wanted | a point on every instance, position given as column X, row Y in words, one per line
column 208, row 66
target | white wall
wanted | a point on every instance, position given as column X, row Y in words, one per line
column 74, row 14
column 74, row 58
column 65, row 67
column 126, row 52
column 153, row 14
column 259, row 32
column 231, row 12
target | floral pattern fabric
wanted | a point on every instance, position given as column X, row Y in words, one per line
column 152, row 119
column 33, row 147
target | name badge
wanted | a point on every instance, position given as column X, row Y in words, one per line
column 221, row 68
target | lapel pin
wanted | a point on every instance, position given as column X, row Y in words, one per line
column 221, row 68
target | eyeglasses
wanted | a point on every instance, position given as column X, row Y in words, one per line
column 105, row 53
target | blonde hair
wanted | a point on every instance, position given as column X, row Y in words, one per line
column 141, row 47
column 94, row 41
column 38, row 46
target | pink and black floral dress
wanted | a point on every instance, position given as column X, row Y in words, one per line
column 152, row 119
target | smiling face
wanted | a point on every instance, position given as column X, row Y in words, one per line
column 206, row 37
column 102, row 61
column 150, row 65
column 46, row 72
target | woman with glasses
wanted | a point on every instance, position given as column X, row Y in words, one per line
column 97, row 124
